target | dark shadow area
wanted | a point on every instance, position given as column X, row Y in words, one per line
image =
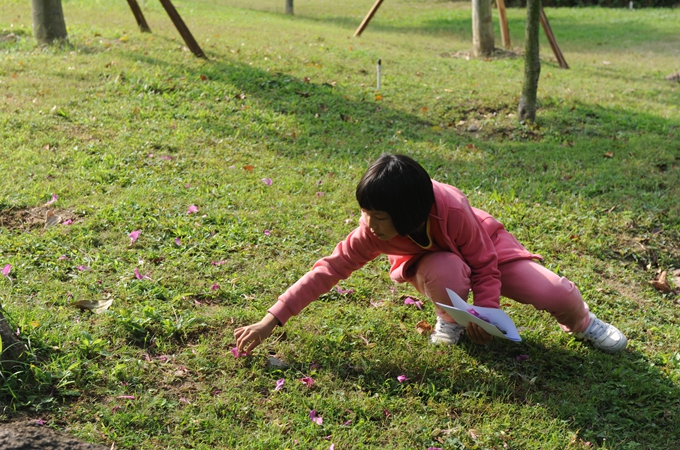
column 627, row 402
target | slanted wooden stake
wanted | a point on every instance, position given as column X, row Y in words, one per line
column 141, row 21
column 553, row 42
column 289, row 7
column 503, row 19
column 183, row 30
column 368, row 18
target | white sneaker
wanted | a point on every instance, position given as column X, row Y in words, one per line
column 446, row 332
column 603, row 336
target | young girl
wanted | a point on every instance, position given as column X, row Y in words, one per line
column 435, row 240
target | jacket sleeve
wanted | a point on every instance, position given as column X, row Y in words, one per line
column 349, row 255
column 478, row 251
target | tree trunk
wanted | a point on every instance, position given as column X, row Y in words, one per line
column 48, row 21
column 289, row 6
column 11, row 348
column 482, row 28
column 532, row 63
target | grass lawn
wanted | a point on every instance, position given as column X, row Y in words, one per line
column 129, row 130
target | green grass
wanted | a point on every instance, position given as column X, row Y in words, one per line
column 295, row 98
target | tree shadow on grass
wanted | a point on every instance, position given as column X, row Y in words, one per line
column 623, row 401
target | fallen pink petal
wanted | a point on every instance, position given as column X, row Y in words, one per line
column 235, row 352
column 115, row 408
column 54, row 199
column 332, row 447
column 521, row 358
column 387, row 413
column 409, row 301
column 83, row 268
column 6, row 270
column 308, row 381
column 193, row 209
column 267, row 181
column 126, row 397
column 347, row 423
column 184, row 400
column 267, row 233
column 167, row 157
column 134, row 236
column 215, row 287
column 217, row 263
column 67, row 222
column 434, row 448
column 178, row 242
column 40, row 422
column 63, row 257
column 345, row 291
column 279, row 384
column 139, row 276
column 402, row 378
column 314, row 418
column 188, row 185
column 320, row 194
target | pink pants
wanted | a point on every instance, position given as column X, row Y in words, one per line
column 523, row 280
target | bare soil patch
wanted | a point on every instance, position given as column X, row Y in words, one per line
column 32, row 218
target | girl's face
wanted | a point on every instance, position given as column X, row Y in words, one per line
column 380, row 224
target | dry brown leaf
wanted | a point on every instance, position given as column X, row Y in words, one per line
column 660, row 283
column 51, row 219
column 423, row 328
column 96, row 306
column 676, row 278
column 609, row 155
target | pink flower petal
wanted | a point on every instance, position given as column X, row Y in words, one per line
column 235, row 352
column 314, row 418
column 402, row 378
column 521, row 358
column 178, row 242
column 188, row 185
column 192, row 209
column 134, row 236
column 63, row 257
column 139, row 276
column 126, row 397
column 409, row 301
column 40, row 422
column 320, row 194
column 184, row 400
column 54, row 199
column 217, row 263
column 215, row 287
column 267, row 181
column 83, row 268
column 279, row 384
column 167, row 157
column 6, row 270
column 343, row 291
column 67, row 222
column 332, row 447
column 308, row 381
column 267, row 233
column 434, row 448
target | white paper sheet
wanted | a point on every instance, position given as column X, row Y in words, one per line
column 498, row 324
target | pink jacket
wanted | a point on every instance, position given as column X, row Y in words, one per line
column 474, row 235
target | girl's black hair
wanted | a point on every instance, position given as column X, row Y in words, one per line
column 399, row 186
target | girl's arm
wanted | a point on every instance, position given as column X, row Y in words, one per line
column 349, row 255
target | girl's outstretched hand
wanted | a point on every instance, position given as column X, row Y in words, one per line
column 477, row 334
column 249, row 337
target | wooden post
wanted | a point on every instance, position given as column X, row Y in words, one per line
column 183, row 30
column 553, row 42
column 289, row 7
column 503, row 19
column 141, row 21
column 368, row 18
